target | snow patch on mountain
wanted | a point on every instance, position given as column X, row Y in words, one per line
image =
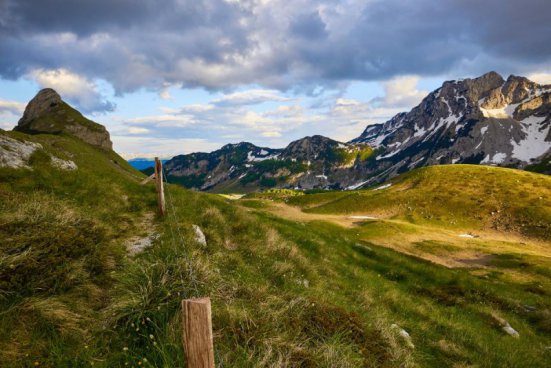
column 533, row 145
column 264, row 155
column 496, row 158
column 357, row 185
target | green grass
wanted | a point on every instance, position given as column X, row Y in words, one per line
column 454, row 196
column 62, row 234
column 284, row 293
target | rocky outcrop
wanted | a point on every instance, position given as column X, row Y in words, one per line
column 486, row 120
column 48, row 113
column 46, row 102
column 15, row 153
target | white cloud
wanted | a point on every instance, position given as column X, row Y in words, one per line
column 402, row 91
column 5, row 125
column 138, row 130
column 166, row 120
column 71, row 86
column 10, row 112
column 165, row 94
column 12, row 107
column 250, row 97
column 541, row 78
column 196, row 108
column 231, row 118
column 271, row 134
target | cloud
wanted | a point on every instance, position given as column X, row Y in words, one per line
column 236, row 117
column 138, row 130
column 74, row 88
column 165, row 120
column 221, row 44
column 401, row 91
column 541, row 78
column 250, row 97
column 10, row 112
column 11, row 107
column 129, row 146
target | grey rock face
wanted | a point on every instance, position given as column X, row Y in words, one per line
column 485, row 120
column 48, row 113
column 15, row 153
column 45, row 102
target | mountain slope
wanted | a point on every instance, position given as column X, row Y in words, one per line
column 486, row 120
column 311, row 162
column 454, row 196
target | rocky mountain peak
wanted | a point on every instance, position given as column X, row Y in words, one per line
column 481, row 87
column 46, row 100
column 514, row 90
column 309, row 148
column 47, row 113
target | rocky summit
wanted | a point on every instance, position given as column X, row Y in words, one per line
column 48, row 113
column 486, row 120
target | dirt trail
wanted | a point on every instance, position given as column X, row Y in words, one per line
column 296, row 214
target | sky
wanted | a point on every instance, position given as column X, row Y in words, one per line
column 180, row 76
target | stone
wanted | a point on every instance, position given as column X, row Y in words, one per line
column 404, row 334
column 63, row 164
column 16, row 154
column 199, row 235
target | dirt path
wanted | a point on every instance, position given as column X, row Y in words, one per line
column 296, row 214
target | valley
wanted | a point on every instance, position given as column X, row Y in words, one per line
column 444, row 265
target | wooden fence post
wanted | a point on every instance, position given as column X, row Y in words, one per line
column 197, row 333
column 159, row 185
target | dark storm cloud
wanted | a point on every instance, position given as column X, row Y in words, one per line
column 309, row 26
column 279, row 44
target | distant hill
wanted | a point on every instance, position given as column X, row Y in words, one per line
column 485, row 120
column 454, row 196
column 306, row 163
column 143, row 163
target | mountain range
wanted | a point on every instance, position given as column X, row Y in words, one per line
column 486, row 120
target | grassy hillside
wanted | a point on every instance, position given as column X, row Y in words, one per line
column 285, row 293
column 455, row 196
column 62, row 235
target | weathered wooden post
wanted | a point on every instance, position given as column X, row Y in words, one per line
column 197, row 333
column 159, row 185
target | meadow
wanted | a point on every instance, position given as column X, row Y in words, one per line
column 294, row 281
